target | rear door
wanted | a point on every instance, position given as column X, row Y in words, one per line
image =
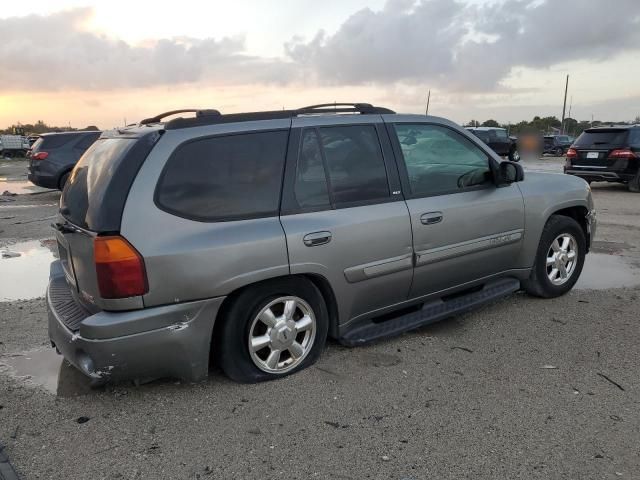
column 343, row 213
column 465, row 228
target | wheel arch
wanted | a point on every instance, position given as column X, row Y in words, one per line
column 319, row 281
column 579, row 214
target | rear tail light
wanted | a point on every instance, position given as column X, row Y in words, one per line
column 40, row 155
column 622, row 153
column 572, row 153
column 119, row 268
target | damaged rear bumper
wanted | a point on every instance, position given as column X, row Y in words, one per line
column 167, row 341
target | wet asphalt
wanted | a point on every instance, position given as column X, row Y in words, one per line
column 522, row 388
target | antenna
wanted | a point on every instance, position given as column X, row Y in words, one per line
column 426, row 112
column 566, row 87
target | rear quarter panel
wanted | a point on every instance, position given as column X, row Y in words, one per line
column 544, row 194
column 187, row 259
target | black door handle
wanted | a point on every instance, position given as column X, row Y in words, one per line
column 431, row 218
column 316, row 238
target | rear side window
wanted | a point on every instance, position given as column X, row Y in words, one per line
column 501, row 134
column 604, row 137
column 225, row 178
column 56, row 141
column 634, row 137
column 85, row 194
column 311, row 188
column 354, row 164
column 86, row 140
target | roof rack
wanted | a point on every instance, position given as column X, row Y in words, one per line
column 323, row 108
column 210, row 117
column 199, row 113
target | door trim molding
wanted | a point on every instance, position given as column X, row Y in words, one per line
column 379, row 268
column 433, row 255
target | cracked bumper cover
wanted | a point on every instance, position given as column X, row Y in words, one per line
column 166, row 341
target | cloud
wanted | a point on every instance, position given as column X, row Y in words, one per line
column 461, row 46
column 56, row 52
column 450, row 45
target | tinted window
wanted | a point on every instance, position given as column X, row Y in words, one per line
column 55, row 141
column 440, row 160
column 223, row 178
column 311, row 181
column 634, row 137
column 602, row 138
column 482, row 135
column 85, row 190
column 501, row 134
column 86, row 140
column 354, row 163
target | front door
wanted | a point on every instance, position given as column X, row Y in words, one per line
column 343, row 215
column 465, row 227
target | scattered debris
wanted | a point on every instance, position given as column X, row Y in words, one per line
column 611, row 381
column 462, row 348
column 549, row 367
column 557, row 320
column 254, row 431
column 10, row 254
column 385, row 458
column 7, row 193
column 615, row 418
column 336, row 424
column 82, row 420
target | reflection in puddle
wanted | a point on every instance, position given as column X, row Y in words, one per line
column 45, row 369
column 20, row 187
column 26, row 275
column 603, row 271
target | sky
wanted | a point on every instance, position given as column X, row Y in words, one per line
column 81, row 62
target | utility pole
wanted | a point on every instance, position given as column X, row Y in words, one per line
column 428, row 100
column 564, row 107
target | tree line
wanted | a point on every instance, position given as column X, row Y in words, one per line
column 41, row 127
column 547, row 125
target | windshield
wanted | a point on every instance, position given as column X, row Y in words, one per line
column 88, row 183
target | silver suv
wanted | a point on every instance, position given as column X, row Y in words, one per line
column 250, row 238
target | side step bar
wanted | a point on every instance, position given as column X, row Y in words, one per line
column 430, row 312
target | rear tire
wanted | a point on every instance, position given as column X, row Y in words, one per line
column 547, row 278
column 634, row 184
column 559, row 152
column 264, row 336
column 63, row 180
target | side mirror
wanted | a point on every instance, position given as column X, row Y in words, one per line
column 510, row 172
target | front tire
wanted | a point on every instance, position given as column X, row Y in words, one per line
column 634, row 184
column 559, row 259
column 272, row 330
column 559, row 152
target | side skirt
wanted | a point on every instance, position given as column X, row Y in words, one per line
column 376, row 328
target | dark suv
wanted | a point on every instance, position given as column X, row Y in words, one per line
column 498, row 140
column 607, row 154
column 556, row 144
column 54, row 155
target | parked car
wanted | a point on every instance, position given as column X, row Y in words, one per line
column 13, row 146
column 53, row 156
column 498, row 140
column 607, row 154
column 556, row 144
column 252, row 237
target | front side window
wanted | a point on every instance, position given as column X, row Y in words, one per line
column 439, row 160
column 225, row 177
column 354, row 163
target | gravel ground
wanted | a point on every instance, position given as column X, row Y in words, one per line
column 522, row 388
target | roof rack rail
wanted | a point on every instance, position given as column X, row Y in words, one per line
column 362, row 108
column 198, row 112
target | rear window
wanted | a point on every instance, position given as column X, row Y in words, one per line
column 86, row 189
column 602, row 138
column 86, row 140
column 225, row 178
column 55, row 141
column 501, row 134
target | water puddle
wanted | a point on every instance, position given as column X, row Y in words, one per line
column 24, row 269
column 47, row 370
column 19, row 187
column 602, row 271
